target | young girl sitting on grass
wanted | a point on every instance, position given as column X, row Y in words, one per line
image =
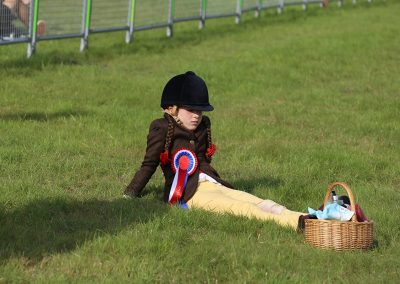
column 181, row 144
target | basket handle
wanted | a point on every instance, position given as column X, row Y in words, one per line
column 349, row 192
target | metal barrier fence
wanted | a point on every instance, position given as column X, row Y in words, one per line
column 30, row 21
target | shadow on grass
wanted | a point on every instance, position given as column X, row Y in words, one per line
column 252, row 183
column 52, row 226
column 41, row 116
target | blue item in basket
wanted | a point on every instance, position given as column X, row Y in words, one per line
column 332, row 211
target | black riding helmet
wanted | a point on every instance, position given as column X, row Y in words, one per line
column 186, row 90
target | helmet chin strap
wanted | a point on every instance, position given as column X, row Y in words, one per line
column 173, row 112
column 179, row 122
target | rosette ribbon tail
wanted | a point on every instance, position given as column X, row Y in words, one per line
column 180, row 180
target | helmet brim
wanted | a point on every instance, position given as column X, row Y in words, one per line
column 200, row 107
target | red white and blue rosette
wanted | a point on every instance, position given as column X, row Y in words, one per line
column 184, row 163
column 192, row 159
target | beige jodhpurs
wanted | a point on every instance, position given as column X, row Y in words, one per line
column 218, row 198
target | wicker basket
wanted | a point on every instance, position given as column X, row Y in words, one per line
column 339, row 235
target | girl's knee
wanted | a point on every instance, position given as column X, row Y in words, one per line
column 271, row 207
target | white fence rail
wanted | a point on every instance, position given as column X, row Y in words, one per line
column 30, row 21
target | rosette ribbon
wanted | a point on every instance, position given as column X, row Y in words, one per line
column 184, row 163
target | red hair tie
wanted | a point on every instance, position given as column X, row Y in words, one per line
column 164, row 159
column 211, row 150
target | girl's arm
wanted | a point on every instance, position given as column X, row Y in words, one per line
column 155, row 145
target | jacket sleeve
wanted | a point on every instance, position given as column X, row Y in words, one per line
column 155, row 145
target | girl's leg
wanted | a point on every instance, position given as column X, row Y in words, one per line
column 265, row 205
column 217, row 198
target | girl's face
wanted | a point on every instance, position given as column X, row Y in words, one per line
column 190, row 118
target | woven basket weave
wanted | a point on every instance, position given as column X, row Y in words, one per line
column 339, row 235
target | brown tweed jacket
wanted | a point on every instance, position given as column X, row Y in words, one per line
column 195, row 140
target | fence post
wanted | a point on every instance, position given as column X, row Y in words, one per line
column 203, row 11
column 305, row 2
column 281, row 6
column 239, row 6
column 87, row 13
column 258, row 10
column 33, row 19
column 171, row 10
column 131, row 21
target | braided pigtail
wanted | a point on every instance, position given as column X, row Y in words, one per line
column 164, row 156
column 211, row 147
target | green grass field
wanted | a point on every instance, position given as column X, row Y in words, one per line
column 301, row 100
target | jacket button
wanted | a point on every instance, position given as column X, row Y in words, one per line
column 191, row 142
